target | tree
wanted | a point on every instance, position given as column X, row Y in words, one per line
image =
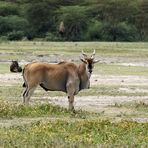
column 8, row 9
column 142, row 20
column 75, row 21
column 94, row 31
column 40, row 17
column 117, row 16
column 12, row 23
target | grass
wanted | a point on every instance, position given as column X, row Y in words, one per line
column 11, row 92
column 70, row 48
column 132, row 109
column 54, row 126
column 14, row 92
column 111, row 69
column 4, row 68
column 111, row 90
column 83, row 133
column 11, row 110
column 136, row 105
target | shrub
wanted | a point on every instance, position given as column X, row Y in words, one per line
column 3, row 38
column 4, row 26
column 8, row 9
column 16, row 22
column 12, row 23
column 118, row 32
column 94, row 31
column 126, row 32
column 75, row 21
column 51, row 37
column 39, row 16
column 15, row 35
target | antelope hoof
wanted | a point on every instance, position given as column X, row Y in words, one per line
column 71, row 108
column 26, row 103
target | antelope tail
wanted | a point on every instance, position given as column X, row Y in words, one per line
column 24, row 84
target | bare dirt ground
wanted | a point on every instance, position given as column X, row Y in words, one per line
column 96, row 102
column 95, row 79
column 8, row 78
column 102, row 104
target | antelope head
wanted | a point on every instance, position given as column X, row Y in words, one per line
column 89, row 61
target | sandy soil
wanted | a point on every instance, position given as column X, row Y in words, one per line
column 119, row 80
column 91, row 101
column 10, row 78
column 95, row 79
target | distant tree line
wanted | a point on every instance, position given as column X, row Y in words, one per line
column 74, row 20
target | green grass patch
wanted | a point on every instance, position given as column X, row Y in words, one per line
column 11, row 92
column 10, row 110
column 14, row 92
column 111, row 69
column 84, row 133
column 80, row 129
column 4, row 68
column 20, row 50
column 110, row 90
column 136, row 105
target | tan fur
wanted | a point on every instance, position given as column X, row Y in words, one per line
column 65, row 76
column 54, row 76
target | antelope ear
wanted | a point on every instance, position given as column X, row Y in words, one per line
column 83, row 60
column 96, row 61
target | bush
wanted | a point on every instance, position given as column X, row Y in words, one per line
column 3, row 38
column 8, row 9
column 51, row 37
column 4, row 26
column 146, row 39
column 94, row 31
column 119, row 32
column 110, row 20
column 126, row 32
column 75, row 21
column 16, row 22
column 12, row 23
column 39, row 16
column 15, row 35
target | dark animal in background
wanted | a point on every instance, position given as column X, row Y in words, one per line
column 14, row 67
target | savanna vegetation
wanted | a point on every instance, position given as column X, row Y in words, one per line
column 122, row 74
column 74, row 20
column 57, row 127
column 45, row 124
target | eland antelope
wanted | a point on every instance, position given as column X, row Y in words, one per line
column 64, row 76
